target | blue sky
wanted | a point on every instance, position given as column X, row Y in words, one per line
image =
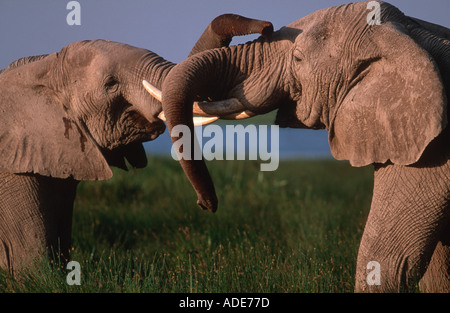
column 167, row 27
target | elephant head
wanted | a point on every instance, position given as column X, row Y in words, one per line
column 380, row 89
column 73, row 113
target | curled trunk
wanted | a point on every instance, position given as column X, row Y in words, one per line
column 177, row 105
column 235, row 72
column 221, row 30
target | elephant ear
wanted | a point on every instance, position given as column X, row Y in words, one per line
column 37, row 135
column 396, row 103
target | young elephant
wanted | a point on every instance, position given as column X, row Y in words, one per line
column 381, row 89
column 69, row 116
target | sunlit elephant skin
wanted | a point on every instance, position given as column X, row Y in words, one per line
column 382, row 93
column 69, row 116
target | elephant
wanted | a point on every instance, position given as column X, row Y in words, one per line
column 380, row 88
column 69, row 116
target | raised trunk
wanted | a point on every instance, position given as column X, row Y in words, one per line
column 221, row 30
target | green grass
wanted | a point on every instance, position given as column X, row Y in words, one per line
column 296, row 229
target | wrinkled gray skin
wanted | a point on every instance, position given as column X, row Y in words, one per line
column 69, row 116
column 381, row 91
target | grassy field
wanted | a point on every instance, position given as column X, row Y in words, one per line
column 296, row 229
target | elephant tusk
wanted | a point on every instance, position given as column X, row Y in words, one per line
column 239, row 116
column 161, row 116
column 245, row 114
column 200, row 120
column 156, row 93
column 220, row 108
column 227, row 109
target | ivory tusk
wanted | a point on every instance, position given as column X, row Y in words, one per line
column 245, row 114
column 161, row 116
column 155, row 92
column 219, row 107
column 239, row 116
column 198, row 121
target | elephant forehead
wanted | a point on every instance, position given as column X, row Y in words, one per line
column 336, row 19
column 104, row 50
column 309, row 21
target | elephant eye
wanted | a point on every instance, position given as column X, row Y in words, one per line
column 111, row 83
column 298, row 55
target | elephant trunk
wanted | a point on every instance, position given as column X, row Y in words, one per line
column 143, row 110
column 219, row 33
column 221, row 30
column 178, row 94
column 214, row 74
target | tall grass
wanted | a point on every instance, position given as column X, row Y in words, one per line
column 296, row 229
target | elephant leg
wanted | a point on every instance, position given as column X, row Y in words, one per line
column 437, row 276
column 408, row 216
column 57, row 197
column 35, row 216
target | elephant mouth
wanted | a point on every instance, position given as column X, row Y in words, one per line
column 155, row 129
column 134, row 153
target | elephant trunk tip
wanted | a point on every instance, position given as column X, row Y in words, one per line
column 266, row 29
column 228, row 25
column 210, row 205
